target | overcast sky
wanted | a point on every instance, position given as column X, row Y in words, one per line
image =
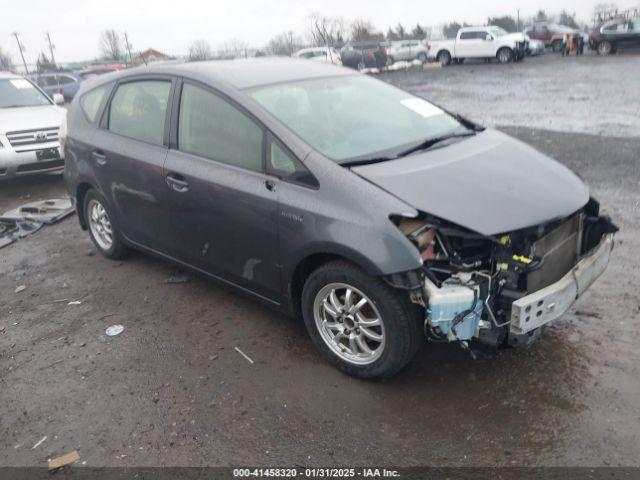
column 171, row 26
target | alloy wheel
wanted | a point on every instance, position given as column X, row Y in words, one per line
column 100, row 224
column 349, row 323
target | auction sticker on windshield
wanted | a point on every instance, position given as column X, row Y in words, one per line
column 422, row 107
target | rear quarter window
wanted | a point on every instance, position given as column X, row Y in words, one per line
column 91, row 101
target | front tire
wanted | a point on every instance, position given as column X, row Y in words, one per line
column 556, row 46
column 360, row 324
column 505, row 55
column 100, row 225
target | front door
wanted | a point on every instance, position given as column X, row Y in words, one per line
column 128, row 155
column 223, row 207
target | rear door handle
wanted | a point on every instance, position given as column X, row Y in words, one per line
column 177, row 182
column 99, row 156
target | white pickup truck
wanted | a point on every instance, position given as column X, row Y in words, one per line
column 480, row 42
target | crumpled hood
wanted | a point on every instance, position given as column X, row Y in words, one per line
column 490, row 183
column 28, row 118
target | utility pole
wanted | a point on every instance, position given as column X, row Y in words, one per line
column 518, row 22
column 51, row 47
column 128, row 47
column 15, row 34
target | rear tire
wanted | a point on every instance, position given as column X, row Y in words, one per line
column 444, row 57
column 100, row 224
column 556, row 46
column 375, row 341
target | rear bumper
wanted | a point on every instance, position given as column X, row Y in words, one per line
column 545, row 305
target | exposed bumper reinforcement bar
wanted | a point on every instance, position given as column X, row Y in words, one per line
column 549, row 303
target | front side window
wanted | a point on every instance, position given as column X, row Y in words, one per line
column 138, row 110
column 353, row 117
column 209, row 126
column 20, row 92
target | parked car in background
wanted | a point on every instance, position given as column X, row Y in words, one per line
column 64, row 83
column 95, row 70
column 320, row 54
column 29, row 128
column 380, row 219
column 551, row 34
column 407, row 50
column 360, row 55
column 616, row 34
column 480, row 42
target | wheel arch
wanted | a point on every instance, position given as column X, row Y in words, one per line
column 311, row 260
column 81, row 193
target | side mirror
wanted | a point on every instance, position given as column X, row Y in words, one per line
column 58, row 99
column 488, row 38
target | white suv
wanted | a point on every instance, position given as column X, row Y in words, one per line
column 29, row 128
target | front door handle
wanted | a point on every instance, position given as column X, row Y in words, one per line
column 177, row 182
column 99, row 157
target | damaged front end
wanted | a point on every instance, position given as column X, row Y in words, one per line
column 503, row 288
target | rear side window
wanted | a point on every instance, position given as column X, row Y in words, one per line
column 91, row 101
column 65, row 79
column 210, row 127
column 138, row 110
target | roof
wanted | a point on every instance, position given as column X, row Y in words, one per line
column 249, row 73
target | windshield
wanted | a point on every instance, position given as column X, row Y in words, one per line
column 498, row 31
column 18, row 92
column 354, row 117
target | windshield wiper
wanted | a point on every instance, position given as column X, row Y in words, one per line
column 430, row 142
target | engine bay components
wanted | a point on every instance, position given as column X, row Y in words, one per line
column 454, row 309
column 492, row 288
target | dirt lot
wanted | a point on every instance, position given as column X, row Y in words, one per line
column 171, row 389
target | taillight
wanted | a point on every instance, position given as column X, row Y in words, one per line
column 385, row 52
column 428, row 46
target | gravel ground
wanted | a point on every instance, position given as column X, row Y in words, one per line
column 171, row 389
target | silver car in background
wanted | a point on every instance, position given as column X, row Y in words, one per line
column 29, row 127
column 407, row 50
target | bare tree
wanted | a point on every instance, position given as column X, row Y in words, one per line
column 199, row 50
column 568, row 19
column 325, row 31
column 238, row 47
column 507, row 22
column 110, row 45
column 284, row 44
column 363, row 30
column 5, row 60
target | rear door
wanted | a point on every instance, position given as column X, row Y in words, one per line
column 469, row 44
column 223, row 206
column 128, row 155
